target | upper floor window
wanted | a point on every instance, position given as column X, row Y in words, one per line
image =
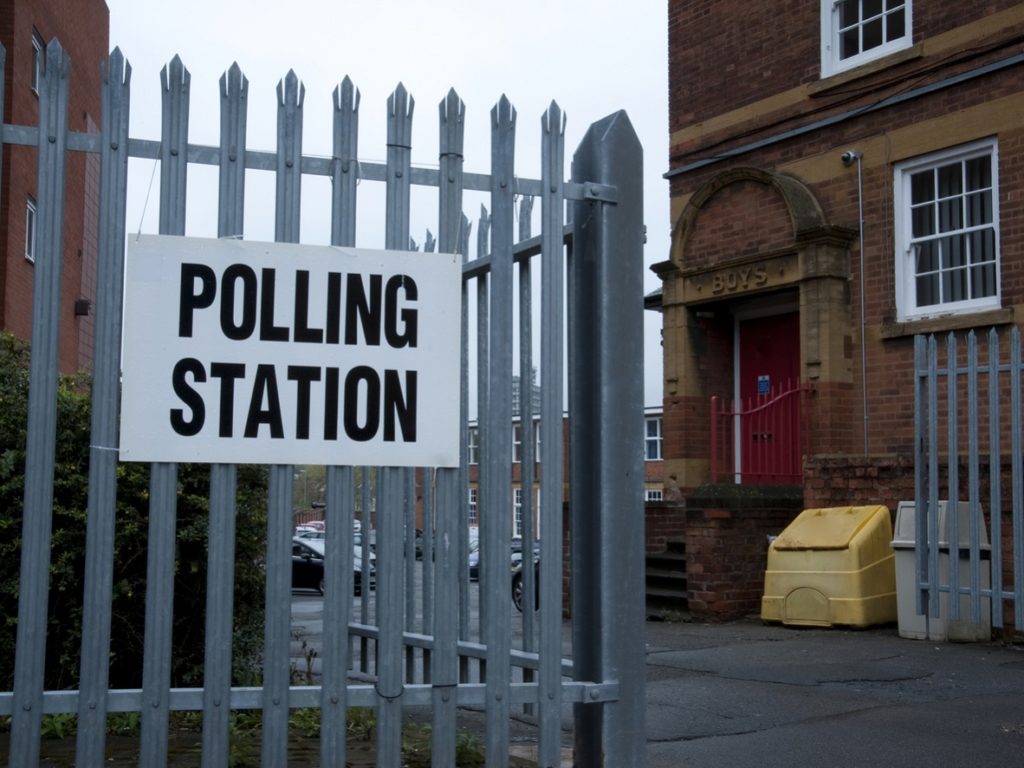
column 654, row 494
column 474, row 517
column 652, row 438
column 30, row 229
column 37, row 60
column 473, row 445
column 854, row 32
column 947, row 232
column 517, row 442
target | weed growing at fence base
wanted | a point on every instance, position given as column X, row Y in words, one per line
column 59, row 731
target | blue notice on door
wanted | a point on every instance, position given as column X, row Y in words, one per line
column 763, row 384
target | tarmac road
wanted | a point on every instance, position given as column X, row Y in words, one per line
column 747, row 694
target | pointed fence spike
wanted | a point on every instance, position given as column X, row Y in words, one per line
column 400, row 111
column 233, row 81
column 553, row 120
column 453, row 118
column 175, row 75
column 117, row 66
column 290, row 90
column 346, row 96
column 503, row 114
column 452, row 107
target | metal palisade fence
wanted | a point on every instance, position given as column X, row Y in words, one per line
column 968, row 402
column 429, row 639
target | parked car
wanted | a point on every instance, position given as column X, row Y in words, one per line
column 515, row 553
column 474, row 554
column 308, row 565
column 417, row 542
column 319, row 544
column 317, row 530
column 518, row 578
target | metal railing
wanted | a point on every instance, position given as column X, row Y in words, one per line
column 967, row 437
column 602, row 272
column 757, row 439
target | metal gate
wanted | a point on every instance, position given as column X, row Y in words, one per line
column 757, row 439
column 967, row 436
column 586, row 269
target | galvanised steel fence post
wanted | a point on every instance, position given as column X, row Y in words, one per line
column 606, row 441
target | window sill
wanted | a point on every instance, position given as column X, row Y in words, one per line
column 894, row 330
column 826, row 84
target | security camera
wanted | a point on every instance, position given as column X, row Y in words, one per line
column 851, row 156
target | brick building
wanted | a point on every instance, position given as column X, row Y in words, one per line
column 26, row 27
column 522, row 475
column 844, row 175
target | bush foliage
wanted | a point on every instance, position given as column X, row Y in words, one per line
column 67, row 562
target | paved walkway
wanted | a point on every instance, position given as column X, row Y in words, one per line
column 746, row 694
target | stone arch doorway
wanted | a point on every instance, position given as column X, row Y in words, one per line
column 748, row 243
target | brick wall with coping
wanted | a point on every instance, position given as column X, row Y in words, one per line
column 665, row 521
column 835, row 481
column 725, row 529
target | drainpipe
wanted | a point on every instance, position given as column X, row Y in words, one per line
column 849, row 158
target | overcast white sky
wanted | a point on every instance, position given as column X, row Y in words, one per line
column 592, row 57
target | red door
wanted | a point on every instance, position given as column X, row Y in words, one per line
column 769, row 429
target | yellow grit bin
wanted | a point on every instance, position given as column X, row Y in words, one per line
column 832, row 567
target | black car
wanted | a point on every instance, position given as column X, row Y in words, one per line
column 308, row 568
column 518, row 587
column 518, row 576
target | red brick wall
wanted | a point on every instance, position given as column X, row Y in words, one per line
column 727, row 529
column 830, row 422
column 90, row 255
column 724, row 54
column 743, row 219
column 837, row 481
column 840, row 481
column 664, row 521
column 82, row 28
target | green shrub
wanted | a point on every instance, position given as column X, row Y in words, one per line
column 67, row 563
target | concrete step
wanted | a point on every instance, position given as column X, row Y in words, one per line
column 665, row 578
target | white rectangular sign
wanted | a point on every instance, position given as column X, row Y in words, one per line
column 274, row 353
